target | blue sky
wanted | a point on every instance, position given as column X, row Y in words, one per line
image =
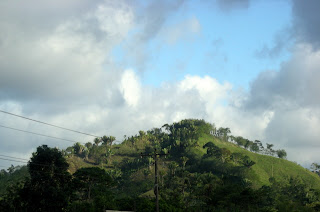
column 110, row 67
column 224, row 47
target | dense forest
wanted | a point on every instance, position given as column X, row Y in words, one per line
column 200, row 168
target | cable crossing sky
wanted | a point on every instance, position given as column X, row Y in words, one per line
column 52, row 125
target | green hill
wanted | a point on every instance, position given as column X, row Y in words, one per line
column 204, row 167
column 259, row 174
column 267, row 166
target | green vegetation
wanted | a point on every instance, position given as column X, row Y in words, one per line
column 206, row 169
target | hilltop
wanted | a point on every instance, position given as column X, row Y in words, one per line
column 179, row 145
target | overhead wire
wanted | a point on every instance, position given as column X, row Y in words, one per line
column 20, row 160
column 52, row 125
column 37, row 164
column 39, row 171
column 39, row 134
column 13, row 160
column 2, row 157
column 13, row 157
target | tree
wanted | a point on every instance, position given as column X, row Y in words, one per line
column 236, row 157
column 184, row 160
column 247, row 162
column 281, row 153
column 315, row 167
column 111, row 139
column 108, row 155
column 97, row 141
column 213, row 150
column 78, row 149
column 70, row 151
column 142, row 133
column 172, row 167
column 240, row 141
column 105, row 140
column 225, row 155
column 254, row 147
column 108, row 140
column 260, row 145
column 48, row 187
column 247, row 143
column 88, row 145
column 223, row 133
column 87, row 179
column 269, row 150
column 11, row 169
column 86, row 154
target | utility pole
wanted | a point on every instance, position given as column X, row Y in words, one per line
column 156, row 185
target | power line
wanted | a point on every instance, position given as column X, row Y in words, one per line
column 13, row 160
column 22, row 160
column 34, row 133
column 52, row 125
column 13, row 157
column 36, row 171
column 8, row 159
column 26, row 162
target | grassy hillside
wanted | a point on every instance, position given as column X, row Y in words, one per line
column 267, row 166
column 259, row 174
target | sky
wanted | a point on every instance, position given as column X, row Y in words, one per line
column 116, row 67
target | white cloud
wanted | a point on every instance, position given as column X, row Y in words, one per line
column 192, row 97
column 130, row 88
column 71, row 58
column 292, row 95
column 115, row 18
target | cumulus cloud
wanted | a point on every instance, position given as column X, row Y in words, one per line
column 303, row 29
column 56, row 65
column 130, row 88
column 192, row 97
column 295, row 85
column 146, row 107
column 71, row 58
column 150, row 22
column 292, row 95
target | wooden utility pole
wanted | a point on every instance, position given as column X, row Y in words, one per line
column 156, row 185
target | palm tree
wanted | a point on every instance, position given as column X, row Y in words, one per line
column 111, row 139
column 105, row 140
column 184, row 161
column 88, row 145
column 97, row 141
column 108, row 155
column 173, row 166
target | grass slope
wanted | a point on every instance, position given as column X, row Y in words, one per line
column 267, row 166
